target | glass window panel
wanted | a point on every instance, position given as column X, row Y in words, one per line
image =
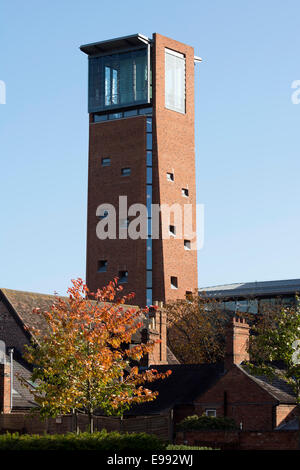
column 132, row 112
column 100, row 118
column 149, row 279
column 115, row 116
column 174, row 81
column 145, row 110
column 149, row 254
column 149, row 158
column 119, row 79
column 149, row 141
column 149, row 198
column 149, row 124
column 149, row 175
column 149, row 297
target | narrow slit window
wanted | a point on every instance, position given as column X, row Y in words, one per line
column 174, row 282
column 102, row 266
column 172, row 230
column 170, row 176
column 123, row 277
column 187, row 244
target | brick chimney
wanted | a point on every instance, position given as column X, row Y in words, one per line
column 237, row 341
column 158, row 331
column 5, row 388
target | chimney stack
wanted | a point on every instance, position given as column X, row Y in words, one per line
column 237, row 342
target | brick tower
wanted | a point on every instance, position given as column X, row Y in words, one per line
column 141, row 145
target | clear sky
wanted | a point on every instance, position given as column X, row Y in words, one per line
column 247, row 133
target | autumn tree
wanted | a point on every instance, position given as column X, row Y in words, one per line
column 83, row 358
column 196, row 329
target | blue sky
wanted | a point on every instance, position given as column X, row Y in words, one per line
column 247, row 133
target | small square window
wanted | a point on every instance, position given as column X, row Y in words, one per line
column 172, row 230
column 187, row 244
column 185, row 192
column 174, row 282
column 123, row 277
column 102, row 266
column 105, row 161
column 126, row 171
column 189, row 295
column 170, row 176
column 212, row 413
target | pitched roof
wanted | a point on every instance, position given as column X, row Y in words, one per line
column 276, row 387
column 22, row 303
column 186, row 382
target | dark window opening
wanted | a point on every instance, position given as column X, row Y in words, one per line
column 102, row 266
column 174, row 282
column 105, row 161
column 123, row 277
column 126, row 171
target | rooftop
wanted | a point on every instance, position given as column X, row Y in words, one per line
column 124, row 42
column 254, row 289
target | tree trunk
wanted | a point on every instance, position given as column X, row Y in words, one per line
column 91, row 422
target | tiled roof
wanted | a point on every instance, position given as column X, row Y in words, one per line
column 276, row 387
column 23, row 303
column 183, row 386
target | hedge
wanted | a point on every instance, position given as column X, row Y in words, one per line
column 103, row 440
column 206, row 423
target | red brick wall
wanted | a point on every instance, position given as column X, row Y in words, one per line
column 173, row 151
column 124, row 141
column 285, row 413
column 272, row 440
column 246, row 401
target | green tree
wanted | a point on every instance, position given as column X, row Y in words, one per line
column 274, row 347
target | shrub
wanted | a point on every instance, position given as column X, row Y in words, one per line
column 196, row 423
column 104, row 441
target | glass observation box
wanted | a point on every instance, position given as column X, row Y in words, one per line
column 119, row 73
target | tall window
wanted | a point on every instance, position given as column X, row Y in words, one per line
column 174, row 81
column 117, row 80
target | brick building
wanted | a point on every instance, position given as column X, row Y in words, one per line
column 141, row 145
column 225, row 389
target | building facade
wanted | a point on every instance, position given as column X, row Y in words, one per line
column 255, row 297
column 141, row 148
